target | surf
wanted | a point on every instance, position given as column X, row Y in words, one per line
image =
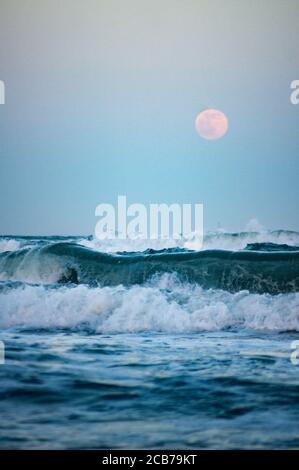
column 273, row 271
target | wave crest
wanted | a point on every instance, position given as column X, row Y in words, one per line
column 257, row 271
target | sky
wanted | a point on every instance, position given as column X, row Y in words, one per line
column 101, row 98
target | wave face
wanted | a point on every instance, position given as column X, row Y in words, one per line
column 259, row 271
column 75, row 282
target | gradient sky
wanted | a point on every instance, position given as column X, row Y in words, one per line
column 101, row 98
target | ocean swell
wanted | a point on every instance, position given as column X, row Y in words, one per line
column 258, row 271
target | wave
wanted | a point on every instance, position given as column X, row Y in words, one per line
column 9, row 245
column 218, row 240
column 257, row 271
column 15, row 243
column 162, row 305
column 240, row 240
column 271, row 247
column 211, row 241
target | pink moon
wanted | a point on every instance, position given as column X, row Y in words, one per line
column 211, row 124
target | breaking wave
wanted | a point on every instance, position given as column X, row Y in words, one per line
column 163, row 305
column 248, row 280
column 258, row 271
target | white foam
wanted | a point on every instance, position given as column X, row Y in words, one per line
column 164, row 305
column 254, row 226
column 219, row 240
column 128, row 245
column 9, row 245
column 234, row 242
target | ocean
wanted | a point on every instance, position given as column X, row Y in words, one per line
column 127, row 344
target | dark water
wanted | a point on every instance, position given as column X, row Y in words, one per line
column 166, row 361
column 207, row 390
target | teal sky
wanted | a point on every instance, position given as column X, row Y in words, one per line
column 101, row 98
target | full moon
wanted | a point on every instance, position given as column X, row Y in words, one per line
column 211, row 124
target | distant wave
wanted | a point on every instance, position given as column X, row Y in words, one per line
column 212, row 241
column 271, row 247
column 240, row 240
column 256, row 270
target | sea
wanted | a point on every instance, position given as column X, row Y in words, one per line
column 131, row 344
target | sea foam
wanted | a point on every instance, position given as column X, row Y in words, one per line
column 163, row 305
